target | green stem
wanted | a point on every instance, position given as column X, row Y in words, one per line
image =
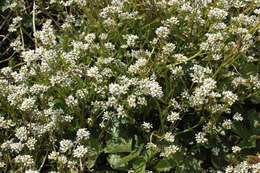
column 161, row 116
column 21, row 32
column 234, row 57
column 192, row 128
column 190, row 58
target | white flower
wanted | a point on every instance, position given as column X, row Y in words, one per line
column 16, row 147
column 62, row 159
column 65, row 145
column 26, row 160
column 2, row 164
column 21, row 133
column 80, row 151
column 227, row 124
column 131, row 101
column 229, row 97
column 150, row 145
column 180, row 57
column 147, row 126
column 83, row 134
column 162, row 32
column 168, row 48
column 27, row 104
column 172, row 149
column 229, row 169
column 215, row 151
column 169, row 137
column 71, row 101
column 237, row 117
column 53, row 155
column 173, row 116
column 31, row 143
column 93, row 72
column 31, row 171
column 130, row 39
column 217, row 13
column 90, row 37
column 236, row 149
column 200, row 138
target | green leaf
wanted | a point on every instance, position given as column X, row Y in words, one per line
column 105, row 171
column 94, row 150
column 117, row 161
column 240, row 130
column 165, row 165
column 5, row 5
column 139, row 166
column 249, row 68
column 255, row 99
column 249, row 143
column 254, row 118
column 120, row 148
column 149, row 154
column 217, row 162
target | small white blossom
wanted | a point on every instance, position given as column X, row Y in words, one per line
column 162, row 32
column 147, row 126
column 26, row 160
column 27, row 104
column 200, row 138
column 80, row 151
column 65, row 145
column 229, row 97
column 236, row 149
column 227, row 124
column 172, row 149
column 71, row 101
column 53, row 155
column 215, row 151
column 150, row 145
column 173, row 116
column 169, row 137
column 83, row 134
column 168, row 48
column 31, row 143
column 237, row 117
column 21, row 133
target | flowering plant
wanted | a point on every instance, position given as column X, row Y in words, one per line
column 134, row 86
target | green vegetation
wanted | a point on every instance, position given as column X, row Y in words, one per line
column 136, row 86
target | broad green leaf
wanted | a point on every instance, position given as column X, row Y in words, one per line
column 94, row 150
column 139, row 166
column 216, row 162
column 249, row 68
column 117, row 161
column 254, row 118
column 105, row 171
column 149, row 154
column 240, row 130
column 249, row 142
column 120, row 148
column 165, row 165
column 255, row 99
column 4, row 5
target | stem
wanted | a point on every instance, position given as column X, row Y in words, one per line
column 191, row 129
column 190, row 58
column 224, row 64
column 43, row 161
column 21, row 32
column 33, row 21
column 161, row 116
